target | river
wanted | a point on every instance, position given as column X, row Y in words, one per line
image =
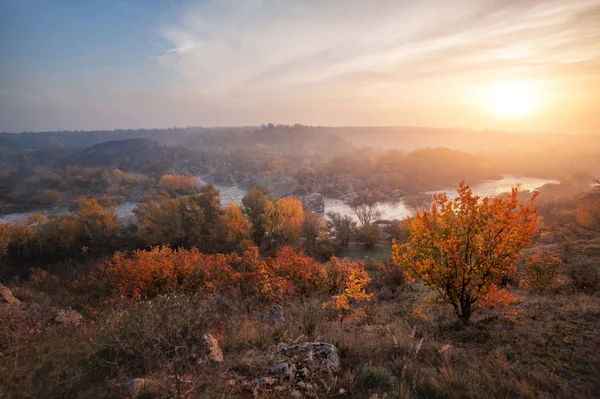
column 390, row 210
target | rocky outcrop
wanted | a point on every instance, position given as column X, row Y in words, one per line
column 212, row 347
column 6, row 296
column 315, row 356
column 314, row 202
column 300, row 369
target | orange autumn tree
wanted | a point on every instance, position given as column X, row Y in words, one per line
column 462, row 248
column 283, row 221
column 179, row 184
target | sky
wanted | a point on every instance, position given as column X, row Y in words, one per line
column 516, row 65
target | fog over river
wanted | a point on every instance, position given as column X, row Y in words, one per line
column 390, row 210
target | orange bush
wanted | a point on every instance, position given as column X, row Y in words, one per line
column 164, row 270
column 305, row 274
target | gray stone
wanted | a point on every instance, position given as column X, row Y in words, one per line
column 315, row 202
column 316, row 356
column 212, row 346
column 284, row 370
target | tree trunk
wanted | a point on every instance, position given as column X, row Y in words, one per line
column 465, row 313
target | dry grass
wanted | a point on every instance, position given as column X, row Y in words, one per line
column 407, row 347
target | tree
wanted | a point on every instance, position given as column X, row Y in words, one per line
column 463, row 248
column 179, row 184
column 369, row 235
column 283, row 221
column 255, row 204
column 237, row 226
column 97, row 226
column 213, row 234
column 364, row 205
column 315, row 234
column 342, row 227
column 169, row 221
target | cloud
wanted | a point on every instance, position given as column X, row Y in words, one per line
column 225, row 48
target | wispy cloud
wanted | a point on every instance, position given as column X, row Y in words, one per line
column 224, row 48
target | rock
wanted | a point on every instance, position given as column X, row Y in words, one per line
column 315, row 202
column 274, row 314
column 284, row 370
column 139, row 385
column 6, row 296
column 68, row 317
column 212, row 346
column 316, row 356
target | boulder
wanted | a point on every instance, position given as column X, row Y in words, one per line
column 212, row 346
column 68, row 317
column 316, row 356
column 6, row 296
column 285, row 371
column 315, row 202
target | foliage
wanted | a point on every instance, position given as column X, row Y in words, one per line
column 347, row 282
column 169, row 221
column 255, row 204
column 191, row 221
column 542, row 271
column 237, row 226
column 98, row 225
column 364, row 206
column 179, row 184
column 92, row 228
column 315, row 235
column 463, row 248
column 342, row 227
column 283, row 220
column 305, row 274
column 162, row 270
column 369, row 235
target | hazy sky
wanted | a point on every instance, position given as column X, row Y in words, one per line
column 89, row 64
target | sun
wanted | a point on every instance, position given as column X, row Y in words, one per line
column 512, row 99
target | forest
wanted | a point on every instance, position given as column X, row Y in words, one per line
column 276, row 296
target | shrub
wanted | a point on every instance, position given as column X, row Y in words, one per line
column 163, row 270
column 584, row 276
column 304, row 273
column 542, row 272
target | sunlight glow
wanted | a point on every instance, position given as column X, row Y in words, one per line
column 512, row 100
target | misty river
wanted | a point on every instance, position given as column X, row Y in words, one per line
column 390, row 210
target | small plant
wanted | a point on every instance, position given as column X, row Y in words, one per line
column 542, row 272
column 350, row 302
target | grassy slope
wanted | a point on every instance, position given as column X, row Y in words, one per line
column 406, row 347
